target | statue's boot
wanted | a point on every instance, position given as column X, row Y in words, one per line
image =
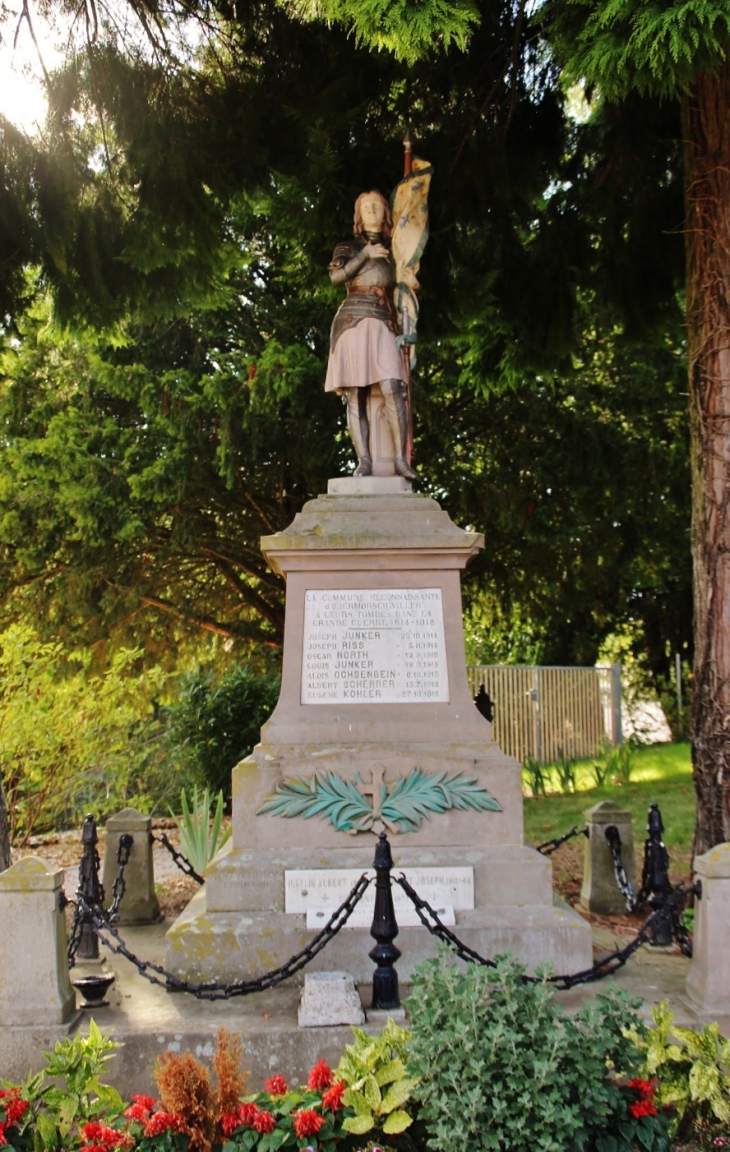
column 358, row 425
column 396, row 415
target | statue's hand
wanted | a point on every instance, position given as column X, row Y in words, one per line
column 376, row 251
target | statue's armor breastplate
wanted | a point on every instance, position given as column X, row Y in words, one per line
column 369, row 291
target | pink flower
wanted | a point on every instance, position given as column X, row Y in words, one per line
column 320, row 1077
column 307, row 1123
column 276, row 1086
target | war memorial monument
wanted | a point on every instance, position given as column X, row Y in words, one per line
column 375, row 728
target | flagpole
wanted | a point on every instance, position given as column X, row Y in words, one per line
column 406, row 348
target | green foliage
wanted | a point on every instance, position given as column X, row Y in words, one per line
column 630, row 44
column 614, row 765
column 200, row 836
column 403, row 804
column 75, row 1095
column 216, row 718
column 72, row 740
column 693, row 1070
column 380, row 1088
column 565, row 770
column 536, row 776
column 661, row 772
column 501, row 1067
column 409, row 29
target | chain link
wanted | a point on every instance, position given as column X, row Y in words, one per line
column 218, row 991
column 124, row 851
column 551, row 846
column 598, row 971
column 613, row 838
column 182, row 862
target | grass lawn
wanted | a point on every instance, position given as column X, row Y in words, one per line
column 659, row 772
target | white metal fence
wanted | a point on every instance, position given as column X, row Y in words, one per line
column 547, row 713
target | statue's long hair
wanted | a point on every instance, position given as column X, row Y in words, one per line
column 386, row 228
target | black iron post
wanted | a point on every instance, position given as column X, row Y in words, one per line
column 655, row 881
column 91, row 889
column 384, row 930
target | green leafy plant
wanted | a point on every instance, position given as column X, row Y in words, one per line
column 216, row 719
column 693, row 1073
column 378, row 1082
column 565, row 767
column 536, row 776
column 201, row 838
column 501, row 1067
column 55, row 1113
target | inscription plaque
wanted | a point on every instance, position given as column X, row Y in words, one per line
column 374, row 644
column 319, row 891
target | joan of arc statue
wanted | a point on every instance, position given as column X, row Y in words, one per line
column 363, row 348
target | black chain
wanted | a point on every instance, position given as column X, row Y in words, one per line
column 124, row 850
column 551, row 846
column 598, row 971
column 613, row 837
column 218, row 991
column 75, row 935
column 182, row 862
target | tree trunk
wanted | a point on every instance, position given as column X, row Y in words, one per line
column 5, row 858
column 707, row 187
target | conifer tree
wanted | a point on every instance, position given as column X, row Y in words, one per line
column 679, row 50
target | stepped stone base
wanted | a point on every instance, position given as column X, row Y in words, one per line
column 374, row 688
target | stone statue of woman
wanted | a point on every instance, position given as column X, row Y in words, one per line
column 363, row 349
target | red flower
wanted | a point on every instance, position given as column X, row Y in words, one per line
column 161, row 1122
column 229, row 1122
column 642, row 1108
column 320, row 1077
column 333, row 1096
column 15, row 1110
column 247, row 1114
column 264, row 1121
column 3, row 1140
column 307, row 1123
column 100, row 1138
column 142, row 1107
column 276, row 1086
column 645, row 1087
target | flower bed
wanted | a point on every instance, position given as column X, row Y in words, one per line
column 490, row 1063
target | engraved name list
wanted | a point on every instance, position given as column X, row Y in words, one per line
column 374, row 644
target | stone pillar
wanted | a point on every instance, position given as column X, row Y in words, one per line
column 708, row 982
column 600, row 892
column 34, row 982
column 139, row 903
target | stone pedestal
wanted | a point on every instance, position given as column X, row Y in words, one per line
column 600, row 892
column 708, row 983
column 34, row 983
column 139, row 902
column 374, row 700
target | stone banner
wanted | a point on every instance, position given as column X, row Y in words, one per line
column 374, row 644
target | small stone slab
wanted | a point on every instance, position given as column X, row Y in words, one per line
column 329, row 998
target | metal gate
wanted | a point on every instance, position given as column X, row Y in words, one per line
column 547, row 713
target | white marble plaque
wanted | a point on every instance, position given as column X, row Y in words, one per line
column 406, row 915
column 319, row 891
column 371, row 645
